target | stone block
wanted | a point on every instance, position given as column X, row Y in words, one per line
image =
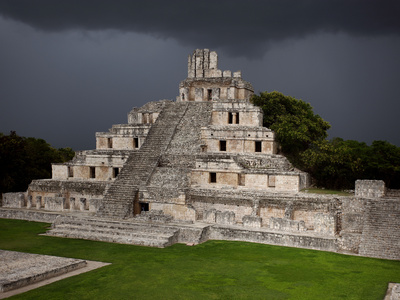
column 252, row 221
column 38, row 202
column 209, row 215
column 324, row 224
column 227, row 73
column 395, row 294
column 94, row 205
column 72, row 204
column 237, row 74
column 198, row 94
column 13, row 200
column 29, row 202
column 225, row 217
column 283, row 224
column 370, row 188
column 54, row 203
column 82, row 204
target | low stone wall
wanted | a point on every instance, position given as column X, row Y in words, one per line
column 28, row 215
column 264, row 237
column 370, row 188
column 15, row 200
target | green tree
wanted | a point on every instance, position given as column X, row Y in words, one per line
column 24, row 159
column 294, row 122
column 337, row 163
column 384, row 163
column 332, row 164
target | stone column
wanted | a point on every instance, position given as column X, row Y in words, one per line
column 47, row 202
column 256, row 208
column 29, row 202
column 71, row 204
column 234, row 116
column 21, row 200
column 82, row 204
column 38, row 202
column 63, row 203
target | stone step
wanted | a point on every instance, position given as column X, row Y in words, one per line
column 152, row 235
column 120, row 226
column 109, row 231
column 141, row 164
column 111, row 238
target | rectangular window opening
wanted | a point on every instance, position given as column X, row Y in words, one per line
column 109, row 142
column 230, row 118
column 92, row 172
column 70, row 171
column 222, row 145
column 136, row 142
column 144, row 206
column 115, row 172
column 209, row 94
column 213, row 177
column 237, row 118
column 258, row 146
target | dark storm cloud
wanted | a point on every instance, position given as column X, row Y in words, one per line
column 243, row 28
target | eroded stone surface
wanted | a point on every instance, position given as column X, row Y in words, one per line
column 19, row 269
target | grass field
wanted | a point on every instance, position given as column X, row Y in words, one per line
column 213, row 270
column 327, row 192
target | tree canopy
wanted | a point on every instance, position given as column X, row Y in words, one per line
column 332, row 163
column 294, row 122
column 24, row 159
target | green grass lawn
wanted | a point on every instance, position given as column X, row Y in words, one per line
column 213, row 270
column 327, row 192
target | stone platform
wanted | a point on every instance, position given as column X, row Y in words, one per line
column 19, row 269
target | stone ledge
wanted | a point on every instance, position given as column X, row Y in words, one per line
column 20, row 269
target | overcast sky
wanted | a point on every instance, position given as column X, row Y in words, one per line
column 71, row 68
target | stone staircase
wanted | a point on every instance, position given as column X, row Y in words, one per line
column 381, row 232
column 119, row 199
column 123, row 232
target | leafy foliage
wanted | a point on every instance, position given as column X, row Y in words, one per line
column 23, row 159
column 339, row 163
column 335, row 164
column 294, row 122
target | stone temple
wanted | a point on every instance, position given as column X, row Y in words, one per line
column 203, row 167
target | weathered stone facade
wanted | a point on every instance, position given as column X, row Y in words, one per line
column 205, row 162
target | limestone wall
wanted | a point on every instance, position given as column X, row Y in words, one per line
column 233, row 112
column 14, row 200
column 29, row 215
column 283, row 239
column 314, row 215
column 220, row 178
column 381, row 231
column 206, row 82
column 288, row 183
column 40, row 189
column 370, row 188
column 147, row 114
column 91, row 165
column 119, row 143
column 239, row 140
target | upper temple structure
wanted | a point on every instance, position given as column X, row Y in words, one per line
column 202, row 167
